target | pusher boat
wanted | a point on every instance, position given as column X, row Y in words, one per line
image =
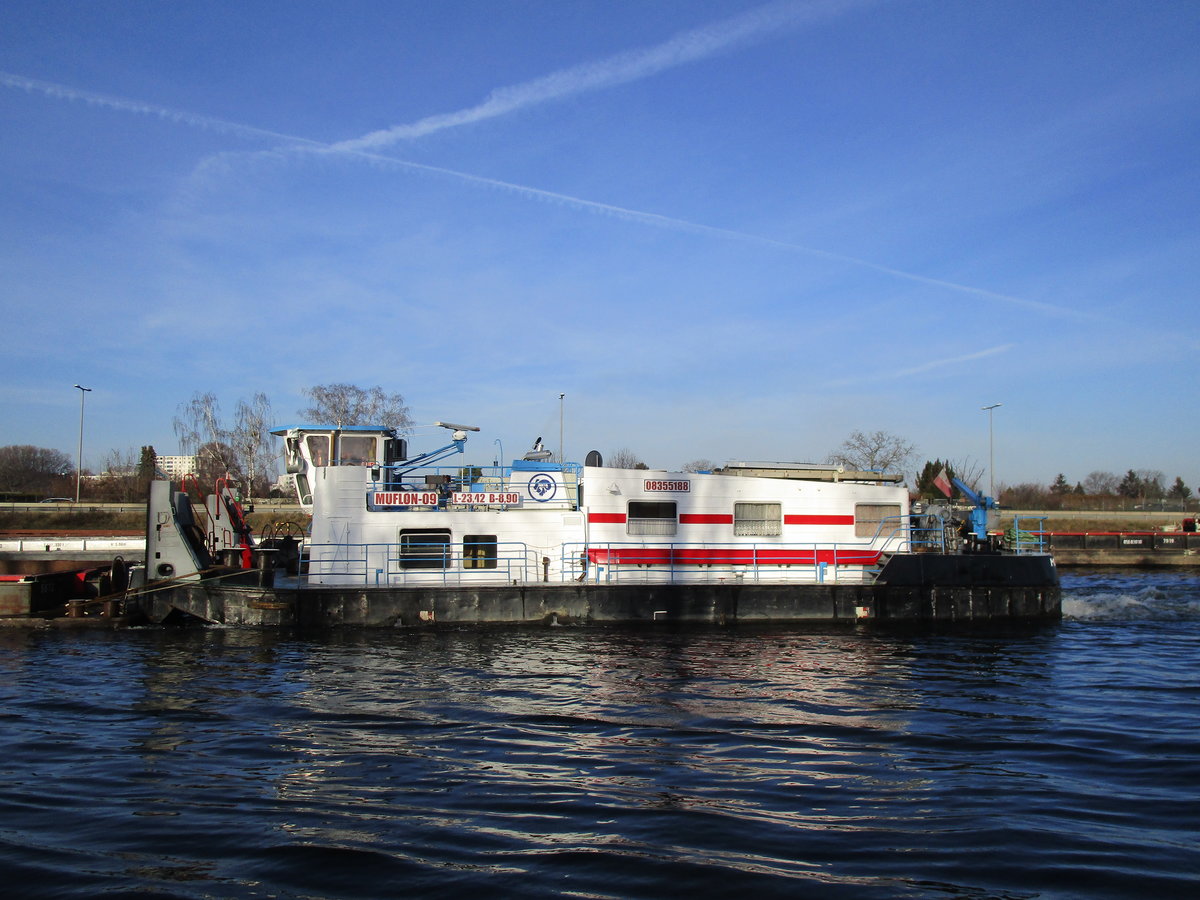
column 402, row 541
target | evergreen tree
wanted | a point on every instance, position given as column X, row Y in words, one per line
column 1130, row 486
column 1060, row 485
column 1180, row 491
column 147, row 464
column 926, row 489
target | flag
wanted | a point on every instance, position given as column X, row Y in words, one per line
column 942, row 482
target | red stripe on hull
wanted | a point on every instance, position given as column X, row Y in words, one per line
column 606, row 518
column 664, row 556
column 705, row 519
column 818, row 520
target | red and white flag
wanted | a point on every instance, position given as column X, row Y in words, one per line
column 942, row 482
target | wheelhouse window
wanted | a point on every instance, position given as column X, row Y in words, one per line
column 356, row 450
column 318, row 449
column 651, row 517
column 303, row 491
column 425, row 549
column 876, row 518
column 758, row 519
column 479, row 551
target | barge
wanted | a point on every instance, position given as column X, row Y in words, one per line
column 410, row 542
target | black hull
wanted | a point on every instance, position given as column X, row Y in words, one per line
column 918, row 588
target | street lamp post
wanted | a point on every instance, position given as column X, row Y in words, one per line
column 79, row 468
column 562, row 457
column 991, row 451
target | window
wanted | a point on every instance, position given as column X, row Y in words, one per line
column 869, row 519
column 318, row 449
column 303, row 491
column 757, row 519
column 356, row 450
column 479, row 551
column 651, row 517
column 426, row 549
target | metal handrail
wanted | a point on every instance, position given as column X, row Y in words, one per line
column 383, row 564
column 1028, row 539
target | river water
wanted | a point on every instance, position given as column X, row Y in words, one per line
column 1060, row 761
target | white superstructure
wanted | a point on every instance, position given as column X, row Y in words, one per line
column 380, row 518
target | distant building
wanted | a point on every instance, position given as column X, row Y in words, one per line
column 175, row 467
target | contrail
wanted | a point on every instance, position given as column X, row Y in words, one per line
column 688, row 47
column 121, row 104
column 646, row 218
column 924, row 367
column 661, row 221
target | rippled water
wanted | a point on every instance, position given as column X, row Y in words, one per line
column 1062, row 761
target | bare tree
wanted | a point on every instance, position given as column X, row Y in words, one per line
column 878, row 451
column 1023, row 496
column 1100, row 483
column 624, row 458
column 32, row 470
column 251, row 438
column 968, row 471
column 699, row 465
column 348, row 404
column 219, row 450
column 199, row 425
column 124, row 479
column 216, row 460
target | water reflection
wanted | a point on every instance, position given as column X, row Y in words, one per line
column 596, row 761
column 518, row 737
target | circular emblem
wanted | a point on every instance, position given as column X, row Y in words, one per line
column 542, row 487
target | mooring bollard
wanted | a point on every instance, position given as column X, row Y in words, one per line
column 264, row 561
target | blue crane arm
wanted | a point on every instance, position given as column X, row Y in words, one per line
column 979, row 513
column 970, row 494
column 427, row 459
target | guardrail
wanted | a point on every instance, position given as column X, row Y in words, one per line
column 87, row 508
column 82, row 508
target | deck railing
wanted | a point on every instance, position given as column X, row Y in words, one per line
column 390, row 565
column 443, row 563
column 936, row 533
column 1027, row 535
column 636, row 562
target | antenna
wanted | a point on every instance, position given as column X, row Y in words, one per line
column 454, row 427
column 460, row 431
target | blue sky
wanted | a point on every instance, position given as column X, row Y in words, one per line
column 722, row 229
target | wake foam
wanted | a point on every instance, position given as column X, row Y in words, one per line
column 1151, row 603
